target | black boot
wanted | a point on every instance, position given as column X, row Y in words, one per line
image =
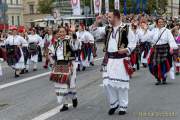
column 75, row 102
column 164, row 82
column 84, row 68
column 78, row 68
column 122, row 112
column 113, row 110
column 16, row 75
column 92, row 64
column 158, row 82
column 64, row 108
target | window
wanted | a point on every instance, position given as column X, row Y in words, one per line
column 11, row 2
column 17, row 2
column 18, row 20
column 31, row 9
column 12, row 20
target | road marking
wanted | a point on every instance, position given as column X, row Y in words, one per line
column 23, row 80
column 50, row 113
column 30, row 78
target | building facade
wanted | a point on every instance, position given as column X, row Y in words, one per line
column 31, row 13
column 173, row 8
column 14, row 12
column 63, row 7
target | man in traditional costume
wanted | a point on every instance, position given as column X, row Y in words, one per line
column 160, row 59
column 15, row 57
column 118, row 45
column 64, row 70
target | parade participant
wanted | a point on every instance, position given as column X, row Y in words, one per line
column 118, row 45
column 47, row 40
column 76, row 46
column 176, row 56
column 144, row 38
column 22, row 33
column 87, row 41
column 2, row 47
column 15, row 57
column 2, row 51
column 64, row 70
column 135, row 55
column 33, row 42
column 160, row 59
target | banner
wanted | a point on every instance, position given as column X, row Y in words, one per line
column 107, row 6
column 138, row 2
column 76, row 7
column 97, row 6
column 144, row 5
column 116, row 4
column 125, row 8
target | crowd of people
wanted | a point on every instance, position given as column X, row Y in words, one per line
column 129, row 41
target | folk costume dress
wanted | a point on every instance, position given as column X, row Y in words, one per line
column 15, row 57
column 87, row 41
column 160, row 59
column 33, row 43
column 135, row 54
column 177, row 56
column 76, row 46
column 47, row 41
column 116, row 78
column 145, row 45
column 64, row 70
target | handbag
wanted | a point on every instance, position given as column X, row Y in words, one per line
column 128, row 67
column 32, row 47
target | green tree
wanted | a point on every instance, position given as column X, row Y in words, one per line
column 45, row 6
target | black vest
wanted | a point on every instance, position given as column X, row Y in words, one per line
column 68, row 52
column 122, row 41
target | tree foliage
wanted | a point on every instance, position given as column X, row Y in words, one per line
column 45, row 6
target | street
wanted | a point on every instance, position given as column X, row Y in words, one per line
column 32, row 97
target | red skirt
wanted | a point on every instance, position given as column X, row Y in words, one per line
column 61, row 73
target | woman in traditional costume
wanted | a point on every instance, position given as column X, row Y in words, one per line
column 64, row 70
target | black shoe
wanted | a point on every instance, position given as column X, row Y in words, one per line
column 26, row 71
column 16, row 75
column 92, row 64
column 64, row 108
column 112, row 110
column 144, row 65
column 84, row 68
column 158, row 83
column 78, row 69
column 122, row 112
column 34, row 69
column 164, row 82
column 75, row 103
column 22, row 72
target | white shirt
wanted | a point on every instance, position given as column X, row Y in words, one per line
column 85, row 36
column 112, row 43
column 15, row 40
column 75, row 44
column 59, row 51
column 144, row 36
column 166, row 37
column 34, row 39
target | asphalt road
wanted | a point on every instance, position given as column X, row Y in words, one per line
column 32, row 97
